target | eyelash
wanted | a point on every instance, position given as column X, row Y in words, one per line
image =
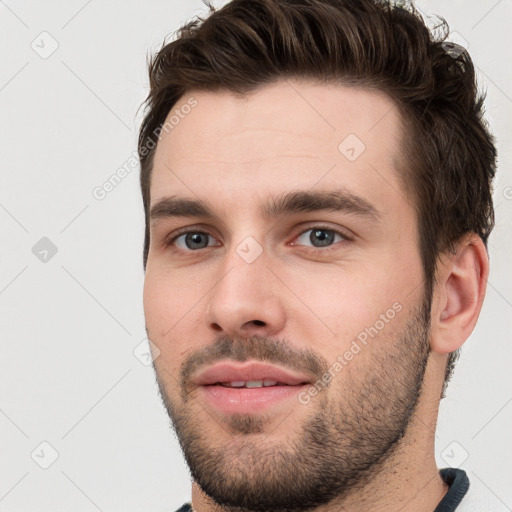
column 346, row 238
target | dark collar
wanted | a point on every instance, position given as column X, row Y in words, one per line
column 458, row 481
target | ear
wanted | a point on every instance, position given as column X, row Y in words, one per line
column 458, row 294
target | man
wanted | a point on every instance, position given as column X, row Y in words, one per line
column 316, row 178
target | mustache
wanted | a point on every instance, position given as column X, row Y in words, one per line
column 259, row 348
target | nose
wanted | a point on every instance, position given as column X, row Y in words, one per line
column 245, row 301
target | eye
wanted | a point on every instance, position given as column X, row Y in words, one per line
column 192, row 240
column 320, row 237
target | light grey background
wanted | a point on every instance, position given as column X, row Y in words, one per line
column 70, row 325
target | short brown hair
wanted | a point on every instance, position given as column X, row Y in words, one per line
column 449, row 153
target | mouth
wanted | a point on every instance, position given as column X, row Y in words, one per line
column 251, row 374
column 231, row 387
column 252, row 384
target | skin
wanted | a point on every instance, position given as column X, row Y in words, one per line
column 362, row 436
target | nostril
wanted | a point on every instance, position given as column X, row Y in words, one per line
column 258, row 322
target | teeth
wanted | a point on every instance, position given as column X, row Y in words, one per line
column 252, row 383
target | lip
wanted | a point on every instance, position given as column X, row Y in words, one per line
column 230, row 400
column 230, row 371
column 250, row 400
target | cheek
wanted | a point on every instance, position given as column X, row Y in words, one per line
column 172, row 308
column 335, row 309
column 335, row 306
column 168, row 295
column 155, row 299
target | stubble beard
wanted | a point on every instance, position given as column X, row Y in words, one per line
column 350, row 432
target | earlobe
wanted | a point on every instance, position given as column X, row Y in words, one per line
column 461, row 283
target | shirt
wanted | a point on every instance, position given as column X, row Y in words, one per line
column 458, row 481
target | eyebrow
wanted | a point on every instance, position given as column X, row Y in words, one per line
column 286, row 204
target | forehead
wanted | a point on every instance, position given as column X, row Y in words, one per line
column 289, row 133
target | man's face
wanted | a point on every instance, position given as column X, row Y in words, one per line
column 331, row 295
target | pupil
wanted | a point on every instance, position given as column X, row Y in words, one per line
column 324, row 237
column 193, row 240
